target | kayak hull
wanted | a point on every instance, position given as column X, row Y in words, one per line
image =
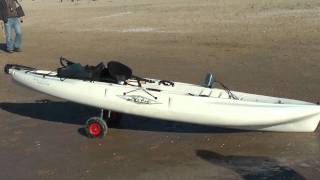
column 183, row 102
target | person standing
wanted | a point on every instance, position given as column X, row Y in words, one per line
column 2, row 29
column 2, row 17
column 11, row 14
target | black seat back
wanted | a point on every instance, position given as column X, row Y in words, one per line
column 119, row 71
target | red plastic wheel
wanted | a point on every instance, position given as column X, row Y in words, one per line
column 95, row 129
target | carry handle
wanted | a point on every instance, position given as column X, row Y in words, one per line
column 65, row 62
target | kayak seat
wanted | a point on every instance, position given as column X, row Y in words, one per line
column 106, row 77
column 119, row 72
column 92, row 73
column 74, row 71
column 115, row 72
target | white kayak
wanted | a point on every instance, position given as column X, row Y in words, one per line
column 175, row 101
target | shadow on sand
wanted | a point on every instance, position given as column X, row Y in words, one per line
column 251, row 167
column 68, row 112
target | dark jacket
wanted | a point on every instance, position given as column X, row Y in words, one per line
column 3, row 11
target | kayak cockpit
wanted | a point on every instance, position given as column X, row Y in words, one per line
column 114, row 72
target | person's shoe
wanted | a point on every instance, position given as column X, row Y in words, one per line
column 9, row 51
column 17, row 50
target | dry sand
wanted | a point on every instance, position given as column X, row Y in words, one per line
column 269, row 47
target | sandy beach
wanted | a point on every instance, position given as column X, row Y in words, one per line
column 269, row 47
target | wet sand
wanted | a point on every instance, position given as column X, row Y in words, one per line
column 266, row 47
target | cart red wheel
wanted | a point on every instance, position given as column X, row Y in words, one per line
column 96, row 127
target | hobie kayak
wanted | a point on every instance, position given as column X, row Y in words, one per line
column 115, row 88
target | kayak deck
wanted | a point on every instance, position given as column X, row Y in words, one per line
column 187, row 89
